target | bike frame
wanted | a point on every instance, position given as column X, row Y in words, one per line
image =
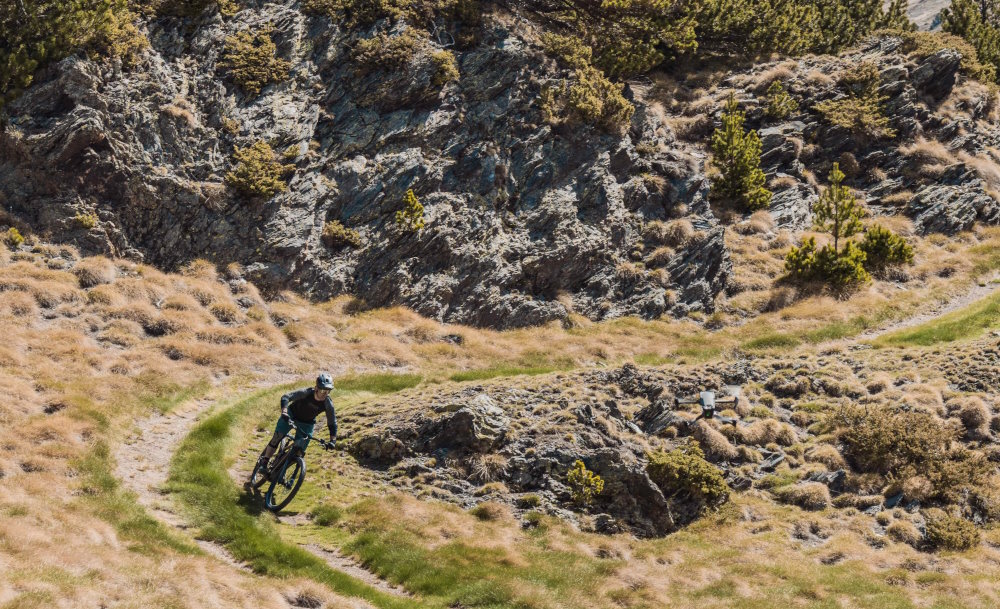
column 288, row 455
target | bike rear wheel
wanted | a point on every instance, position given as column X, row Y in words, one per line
column 285, row 484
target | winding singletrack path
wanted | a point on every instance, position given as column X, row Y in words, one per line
column 143, row 466
column 973, row 294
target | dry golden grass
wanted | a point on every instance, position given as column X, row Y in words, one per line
column 929, row 157
column 780, row 72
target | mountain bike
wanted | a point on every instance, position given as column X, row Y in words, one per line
column 286, row 471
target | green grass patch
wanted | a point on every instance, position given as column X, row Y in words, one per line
column 200, row 480
column 482, row 374
column 967, row 323
column 531, row 364
column 774, row 340
column 380, row 383
column 459, row 574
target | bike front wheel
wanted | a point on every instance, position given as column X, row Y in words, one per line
column 285, row 485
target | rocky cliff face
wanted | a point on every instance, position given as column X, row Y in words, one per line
column 518, row 212
column 937, row 164
column 526, row 221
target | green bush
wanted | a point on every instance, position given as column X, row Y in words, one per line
column 588, row 97
column 862, row 115
column 411, row 217
column 86, row 221
column 749, row 27
column 950, row 533
column 884, row 249
column 966, row 19
column 251, row 61
column 842, row 269
column 584, row 484
column 861, row 110
column 881, row 440
column 736, row 157
column 13, row 237
column 35, row 33
column 570, row 50
column 385, row 52
column 336, row 235
column 780, row 104
column 258, row 173
column 920, row 45
column 181, row 8
column 594, row 99
column 358, row 12
column 445, row 67
column 684, row 473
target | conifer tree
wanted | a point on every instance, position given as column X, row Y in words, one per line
column 837, row 211
column 736, row 156
column 977, row 22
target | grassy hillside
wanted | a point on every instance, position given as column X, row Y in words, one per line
column 92, row 345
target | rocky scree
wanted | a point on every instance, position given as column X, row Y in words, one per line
column 515, row 441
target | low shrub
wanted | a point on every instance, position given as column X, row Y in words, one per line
column 570, row 50
column 411, row 217
column 251, row 61
column 445, row 68
column 780, row 104
column 588, row 98
column 862, row 115
column 181, row 8
column 336, row 235
column 685, row 474
column 13, row 237
column 883, row 249
column 85, row 220
column 385, row 52
column 594, row 99
column 258, row 172
column 880, row 440
column 584, row 484
column 948, row 532
column 841, row 270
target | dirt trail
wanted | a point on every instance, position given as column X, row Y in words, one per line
column 976, row 292
column 143, row 466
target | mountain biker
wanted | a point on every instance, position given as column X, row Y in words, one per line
column 300, row 408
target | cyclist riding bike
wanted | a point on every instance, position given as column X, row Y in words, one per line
column 300, row 409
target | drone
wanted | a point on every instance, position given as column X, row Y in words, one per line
column 708, row 402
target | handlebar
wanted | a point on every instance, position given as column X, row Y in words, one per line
column 323, row 443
